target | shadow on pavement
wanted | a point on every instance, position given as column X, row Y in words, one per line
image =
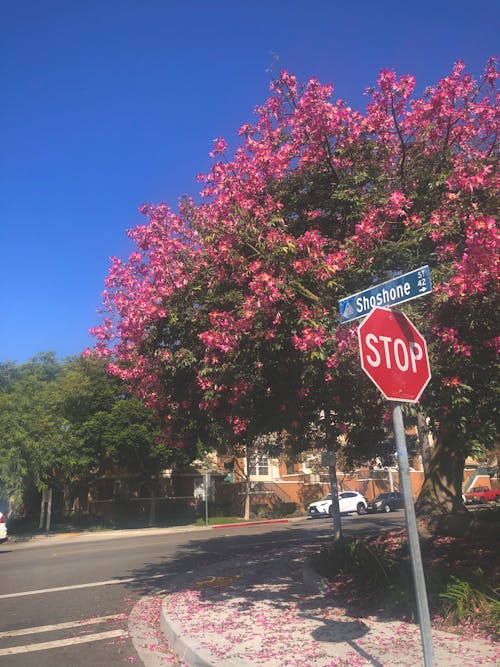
column 244, row 561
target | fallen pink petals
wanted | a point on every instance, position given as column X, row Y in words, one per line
column 263, row 619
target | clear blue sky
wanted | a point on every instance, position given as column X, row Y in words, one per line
column 107, row 104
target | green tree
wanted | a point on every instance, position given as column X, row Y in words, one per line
column 64, row 424
column 29, row 427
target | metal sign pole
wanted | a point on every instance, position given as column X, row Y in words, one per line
column 413, row 541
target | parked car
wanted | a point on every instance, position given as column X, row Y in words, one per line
column 3, row 528
column 349, row 501
column 386, row 502
column 481, row 494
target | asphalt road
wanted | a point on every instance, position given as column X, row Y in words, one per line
column 65, row 600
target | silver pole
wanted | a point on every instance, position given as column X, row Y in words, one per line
column 413, row 541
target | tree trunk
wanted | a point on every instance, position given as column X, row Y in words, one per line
column 67, row 500
column 152, row 507
column 42, row 509
column 246, row 511
column 441, row 492
column 334, row 487
column 338, row 535
column 155, row 491
column 49, row 508
column 246, row 475
column 424, row 441
column 439, row 506
column 242, row 473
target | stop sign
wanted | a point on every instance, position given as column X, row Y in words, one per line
column 394, row 355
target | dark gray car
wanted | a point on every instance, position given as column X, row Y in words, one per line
column 386, row 502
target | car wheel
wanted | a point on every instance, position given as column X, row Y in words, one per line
column 387, row 508
column 361, row 508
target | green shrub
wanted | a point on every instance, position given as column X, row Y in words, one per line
column 260, row 511
column 378, row 573
column 369, row 563
column 276, row 509
column 467, row 600
column 369, row 570
column 281, row 509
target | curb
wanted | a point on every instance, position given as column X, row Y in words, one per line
column 249, row 523
column 174, row 636
column 47, row 538
column 147, row 645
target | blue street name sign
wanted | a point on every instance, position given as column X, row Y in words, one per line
column 397, row 290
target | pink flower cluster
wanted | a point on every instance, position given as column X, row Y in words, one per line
column 449, row 336
column 261, row 262
column 309, row 339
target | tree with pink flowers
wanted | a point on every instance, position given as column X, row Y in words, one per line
column 225, row 318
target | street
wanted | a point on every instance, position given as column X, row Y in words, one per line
column 66, row 600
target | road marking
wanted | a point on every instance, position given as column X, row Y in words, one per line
column 62, row 626
column 44, row 646
column 92, row 584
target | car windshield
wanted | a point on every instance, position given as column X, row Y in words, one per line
column 381, row 496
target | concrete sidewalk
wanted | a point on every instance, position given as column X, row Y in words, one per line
column 270, row 611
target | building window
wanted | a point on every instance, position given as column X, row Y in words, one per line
column 290, row 468
column 260, row 468
column 307, row 466
column 310, row 465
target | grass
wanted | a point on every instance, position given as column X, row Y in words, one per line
column 219, row 520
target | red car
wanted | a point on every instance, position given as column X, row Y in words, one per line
column 481, row 494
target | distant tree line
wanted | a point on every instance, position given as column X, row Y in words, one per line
column 64, row 424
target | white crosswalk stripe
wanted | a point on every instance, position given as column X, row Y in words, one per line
column 61, row 626
column 64, row 641
column 58, row 643
column 92, row 584
column 61, row 629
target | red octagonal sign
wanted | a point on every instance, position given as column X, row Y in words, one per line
column 394, row 355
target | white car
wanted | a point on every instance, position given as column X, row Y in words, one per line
column 3, row 528
column 349, row 501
